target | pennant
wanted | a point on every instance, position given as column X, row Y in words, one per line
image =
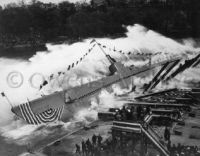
column 3, row 94
column 81, row 59
column 40, row 87
column 69, row 67
column 59, row 73
column 72, row 65
column 77, row 62
column 51, row 77
column 89, row 50
column 99, row 44
column 92, row 41
column 45, row 83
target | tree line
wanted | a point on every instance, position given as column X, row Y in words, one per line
column 48, row 22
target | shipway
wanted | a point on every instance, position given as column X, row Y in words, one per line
column 64, row 104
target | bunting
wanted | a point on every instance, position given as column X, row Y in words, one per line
column 93, row 40
column 70, row 66
column 59, row 73
column 51, row 77
column 86, row 54
column 3, row 94
column 49, row 115
column 129, row 53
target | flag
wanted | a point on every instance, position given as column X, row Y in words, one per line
column 45, row 83
column 92, row 41
column 3, row 94
column 81, row 59
column 68, row 67
column 40, row 87
column 104, row 46
column 51, row 77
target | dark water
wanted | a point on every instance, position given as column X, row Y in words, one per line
column 22, row 51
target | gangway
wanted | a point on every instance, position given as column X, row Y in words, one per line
column 152, row 136
column 145, row 130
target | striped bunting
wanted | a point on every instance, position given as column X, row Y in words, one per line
column 50, row 115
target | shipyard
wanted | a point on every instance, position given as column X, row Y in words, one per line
column 99, row 78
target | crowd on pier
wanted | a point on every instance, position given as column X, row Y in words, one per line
column 90, row 147
column 181, row 150
column 132, row 113
column 109, row 147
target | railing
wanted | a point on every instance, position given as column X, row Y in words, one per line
column 153, row 137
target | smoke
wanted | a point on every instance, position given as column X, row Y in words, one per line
column 93, row 67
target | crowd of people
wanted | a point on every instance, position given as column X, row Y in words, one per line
column 95, row 147
column 90, row 147
column 109, row 147
column 181, row 150
column 132, row 113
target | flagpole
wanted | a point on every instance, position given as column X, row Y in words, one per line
column 104, row 52
column 28, row 100
column 4, row 95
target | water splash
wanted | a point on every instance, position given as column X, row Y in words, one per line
column 95, row 66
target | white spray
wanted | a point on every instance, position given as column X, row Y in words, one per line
column 58, row 57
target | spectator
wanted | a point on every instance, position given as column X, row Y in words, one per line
column 78, row 150
column 167, row 134
column 83, row 148
column 94, row 139
column 99, row 139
